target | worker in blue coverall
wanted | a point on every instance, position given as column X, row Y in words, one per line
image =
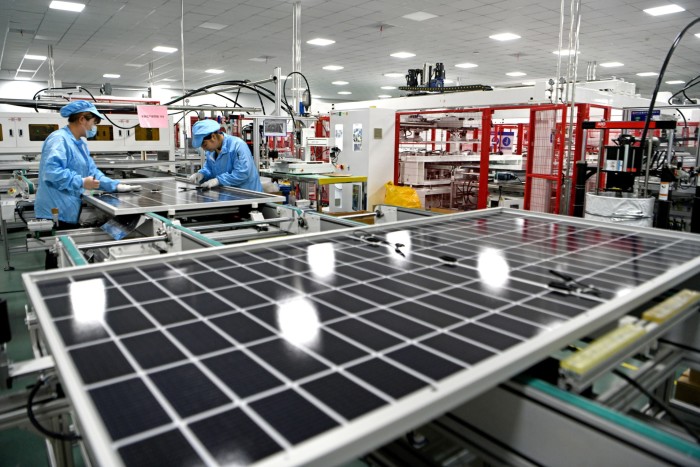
column 66, row 169
column 229, row 161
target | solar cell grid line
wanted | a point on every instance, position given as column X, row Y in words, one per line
column 417, row 350
column 260, row 421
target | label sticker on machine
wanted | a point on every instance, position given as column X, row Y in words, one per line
column 152, row 116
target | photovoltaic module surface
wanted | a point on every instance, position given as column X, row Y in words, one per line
column 165, row 194
column 287, row 351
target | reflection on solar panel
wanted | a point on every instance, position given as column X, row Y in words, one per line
column 166, row 194
column 320, row 348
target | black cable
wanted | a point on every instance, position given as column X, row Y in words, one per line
column 35, row 423
column 660, row 78
column 658, row 402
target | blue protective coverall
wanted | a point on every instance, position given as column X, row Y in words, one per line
column 234, row 166
column 65, row 161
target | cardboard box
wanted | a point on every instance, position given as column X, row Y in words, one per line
column 686, row 391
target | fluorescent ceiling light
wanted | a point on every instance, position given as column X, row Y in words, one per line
column 22, row 78
column 675, row 81
column 697, row 35
column 516, row 73
column 134, row 65
column 394, row 75
column 333, row 67
column 611, row 64
column 388, row 87
column 528, row 83
column 167, row 79
column 505, row 36
column 215, row 26
column 419, row 16
column 340, row 83
column 35, row 57
column 258, row 59
column 67, row 6
column 167, row 50
column 564, row 52
column 214, row 71
column 320, row 41
column 466, row 65
column 383, row 96
column 21, row 70
column 648, row 73
column 664, row 10
column 344, row 92
column 403, row 55
column 316, row 97
column 111, row 75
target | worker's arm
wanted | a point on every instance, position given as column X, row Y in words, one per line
column 106, row 183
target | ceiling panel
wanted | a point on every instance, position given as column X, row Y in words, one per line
column 112, row 33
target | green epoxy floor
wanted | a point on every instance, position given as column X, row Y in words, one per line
column 20, row 447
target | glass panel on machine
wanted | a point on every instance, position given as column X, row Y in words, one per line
column 104, row 133
column 41, row 131
column 0, row 131
column 147, row 134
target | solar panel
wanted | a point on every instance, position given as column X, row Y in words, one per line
column 169, row 194
column 319, row 348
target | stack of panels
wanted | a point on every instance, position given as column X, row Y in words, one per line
column 169, row 194
column 235, row 355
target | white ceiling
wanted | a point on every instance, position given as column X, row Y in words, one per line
column 108, row 34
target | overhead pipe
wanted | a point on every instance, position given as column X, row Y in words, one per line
column 572, row 77
column 56, row 105
column 296, row 54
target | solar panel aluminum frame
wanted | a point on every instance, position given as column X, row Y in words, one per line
column 385, row 423
column 254, row 198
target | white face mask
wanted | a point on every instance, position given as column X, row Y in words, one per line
column 91, row 132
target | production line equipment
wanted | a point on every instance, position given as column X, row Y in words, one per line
column 312, row 350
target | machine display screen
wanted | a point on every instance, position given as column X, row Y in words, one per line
column 104, row 133
column 275, row 127
column 147, row 134
column 39, row 132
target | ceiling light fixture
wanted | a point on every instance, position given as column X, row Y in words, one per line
column 111, row 75
column 344, row 92
column 675, row 81
column 383, row 96
column 648, row 73
column 466, row 65
column 215, row 26
column 167, row 50
column 214, row 71
column 564, row 52
column 504, row 36
column 340, row 83
column 388, row 87
column 394, row 75
column 168, row 79
column 419, row 16
column 134, row 65
column 35, row 57
column 528, row 83
column 516, row 73
column 664, row 10
column 333, row 67
column 67, row 6
column 611, row 64
column 22, row 78
column 320, row 41
column 403, row 55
